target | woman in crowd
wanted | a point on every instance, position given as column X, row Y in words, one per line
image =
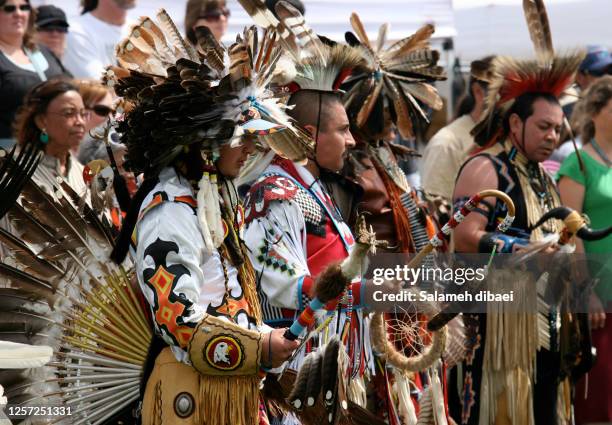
column 590, row 192
column 99, row 103
column 54, row 115
column 213, row 14
column 22, row 63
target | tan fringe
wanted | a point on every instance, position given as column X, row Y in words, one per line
column 510, row 351
column 232, row 400
column 247, row 280
column 512, row 336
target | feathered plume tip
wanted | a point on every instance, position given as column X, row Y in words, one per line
column 400, row 74
column 332, row 281
column 539, row 29
column 356, row 262
column 548, row 73
column 298, row 393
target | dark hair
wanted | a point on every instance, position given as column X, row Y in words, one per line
column 594, row 100
column 88, row 6
column 28, row 36
column 481, row 71
column 468, row 102
column 35, row 103
column 306, row 107
column 523, row 107
column 195, row 10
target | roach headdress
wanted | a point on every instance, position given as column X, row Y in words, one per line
column 511, row 78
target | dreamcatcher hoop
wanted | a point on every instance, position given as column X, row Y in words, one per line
column 386, row 346
column 432, row 351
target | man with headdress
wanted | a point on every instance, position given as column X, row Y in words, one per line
column 189, row 132
column 450, row 146
column 382, row 96
column 294, row 229
column 520, row 129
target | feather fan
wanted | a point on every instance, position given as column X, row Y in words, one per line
column 60, row 290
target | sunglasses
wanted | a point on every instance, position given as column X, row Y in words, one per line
column 216, row 15
column 11, row 8
column 102, row 110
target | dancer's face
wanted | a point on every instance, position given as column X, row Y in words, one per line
column 231, row 160
column 539, row 134
column 334, row 139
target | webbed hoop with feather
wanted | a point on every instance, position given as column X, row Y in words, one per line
column 411, row 330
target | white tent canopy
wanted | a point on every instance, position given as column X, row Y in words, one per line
column 330, row 18
column 479, row 27
column 498, row 26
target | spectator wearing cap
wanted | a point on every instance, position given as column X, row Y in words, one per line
column 213, row 14
column 23, row 63
column 450, row 146
column 51, row 28
column 90, row 44
column 596, row 64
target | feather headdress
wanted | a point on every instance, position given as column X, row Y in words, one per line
column 398, row 75
column 318, row 66
column 185, row 95
column 308, row 64
column 511, row 78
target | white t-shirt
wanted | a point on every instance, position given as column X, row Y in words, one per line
column 90, row 46
column 444, row 155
